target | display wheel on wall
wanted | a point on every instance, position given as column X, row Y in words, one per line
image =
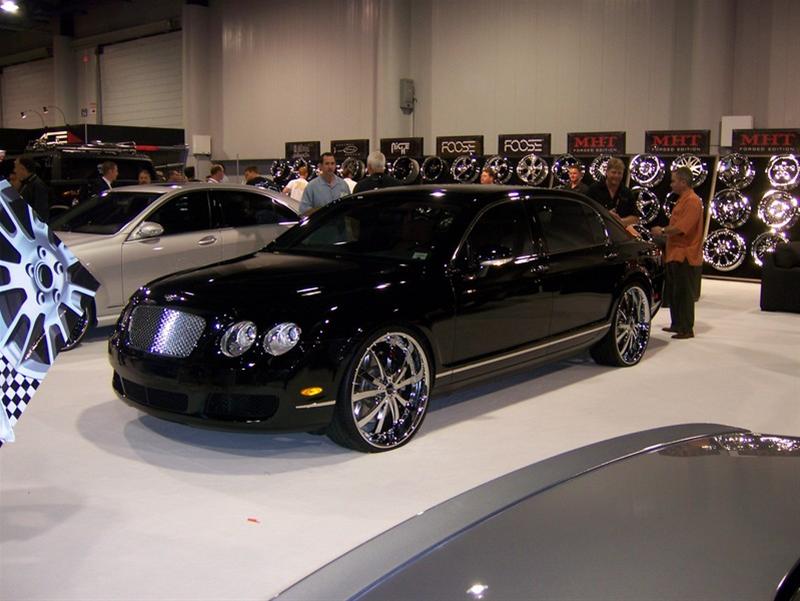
column 647, row 204
column 433, row 169
column 598, row 167
column 695, row 164
column 281, row 171
column 501, row 167
column 466, row 168
column 778, row 209
column 561, row 165
column 783, row 172
column 405, row 169
column 532, row 169
column 765, row 243
column 669, row 203
column 724, row 250
column 735, row 171
column 356, row 166
column 647, row 170
column 730, row 208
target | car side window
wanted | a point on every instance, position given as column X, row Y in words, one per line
column 501, row 232
column 568, row 225
column 182, row 214
column 244, row 209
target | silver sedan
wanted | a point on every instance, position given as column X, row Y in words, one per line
column 134, row 234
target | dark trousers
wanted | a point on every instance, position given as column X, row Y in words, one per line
column 680, row 290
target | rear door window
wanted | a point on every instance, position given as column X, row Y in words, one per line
column 188, row 212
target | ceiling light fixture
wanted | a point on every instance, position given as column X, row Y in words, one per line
column 9, row 6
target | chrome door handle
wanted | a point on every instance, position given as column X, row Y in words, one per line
column 207, row 240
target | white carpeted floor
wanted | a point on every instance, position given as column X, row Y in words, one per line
column 98, row 501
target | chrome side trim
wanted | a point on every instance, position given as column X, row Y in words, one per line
column 316, row 405
column 523, row 351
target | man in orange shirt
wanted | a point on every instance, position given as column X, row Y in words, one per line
column 684, row 254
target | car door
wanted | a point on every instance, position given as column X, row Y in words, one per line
column 582, row 268
column 249, row 220
column 497, row 282
column 188, row 241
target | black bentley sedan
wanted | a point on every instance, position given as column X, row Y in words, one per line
column 345, row 323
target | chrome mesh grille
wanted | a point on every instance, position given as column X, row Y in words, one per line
column 162, row 331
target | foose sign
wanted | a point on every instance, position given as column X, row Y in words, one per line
column 597, row 142
column 695, row 141
column 449, row 147
column 766, row 141
column 519, row 145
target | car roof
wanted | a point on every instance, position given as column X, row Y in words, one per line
column 169, row 188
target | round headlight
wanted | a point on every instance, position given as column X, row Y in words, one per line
column 238, row 338
column 282, row 338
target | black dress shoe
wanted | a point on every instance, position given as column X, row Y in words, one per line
column 669, row 329
column 683, row 335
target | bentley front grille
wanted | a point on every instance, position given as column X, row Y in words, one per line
column 162, row 331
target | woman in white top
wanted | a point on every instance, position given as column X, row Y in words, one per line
column 296, row 187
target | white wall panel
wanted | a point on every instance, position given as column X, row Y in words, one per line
column 28, row 86
column 141, row 82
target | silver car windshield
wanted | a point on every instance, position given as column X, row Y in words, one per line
column 105, row 214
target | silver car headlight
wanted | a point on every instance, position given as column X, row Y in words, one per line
column 282, row 338
column 238, row 338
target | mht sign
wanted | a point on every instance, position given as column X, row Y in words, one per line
column 449, row 147
column 694, row 141
column 302, row 150
column 597, row 142
column 766, row 141
column 345, row 149
column 402, row 147
column 518, row 145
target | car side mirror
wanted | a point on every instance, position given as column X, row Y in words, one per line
column 148, row 229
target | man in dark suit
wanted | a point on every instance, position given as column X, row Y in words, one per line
column 108, row 175
column 32, row 189
column 376, row 174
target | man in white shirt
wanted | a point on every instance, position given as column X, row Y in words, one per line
column 216, row 175
column 296, row 187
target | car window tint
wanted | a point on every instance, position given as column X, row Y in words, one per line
column 243, row 209
column 596, row 225
column 105, row 214
column 284, row 213
column 566, row 225
column 502, row 231
column 184, row 213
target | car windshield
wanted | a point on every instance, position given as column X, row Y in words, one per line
column 105, row 214
column 393, row 228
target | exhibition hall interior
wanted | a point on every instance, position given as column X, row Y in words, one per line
column 399, row 299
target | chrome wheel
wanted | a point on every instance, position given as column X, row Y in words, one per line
column 389, row 390
column 730, row 208
column 647, row 170
column 465, row 169
column 724, row 250
column 647, row 204
column 561, row 166
column 735, row 171
column 532, row 169
column 778, row 209
column 599, row 166
column 695, row 164
column 433, row 168
column 501, row 168
column 632, row 325
column 783, row 171
column 765, row 243
column 40, row 303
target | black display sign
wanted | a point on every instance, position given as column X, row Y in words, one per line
column 596, row 142
column 518, row 145
column 673, row 141
column 402, row 147
column 303, row 150
column 449, row 147
column 345, row 149
column 766, row 141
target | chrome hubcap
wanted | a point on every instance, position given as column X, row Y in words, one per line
column 389, row 393
column 632, row 325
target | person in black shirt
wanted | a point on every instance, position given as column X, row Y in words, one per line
column 32, row 189
column 576, row 180
column 614, row 195
column 252, row 176
column 377, row 176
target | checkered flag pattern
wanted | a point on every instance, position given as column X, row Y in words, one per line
column 17, row 390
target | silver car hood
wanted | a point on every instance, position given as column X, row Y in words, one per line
column 74, row 240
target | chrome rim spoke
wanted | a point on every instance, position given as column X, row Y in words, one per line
column 633, row 325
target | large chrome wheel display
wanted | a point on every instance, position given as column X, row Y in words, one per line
column 281, row 171
column 730, row 208
column 694, row 164
column 647, row 170
column 405, row 169
column 532, row 169
column 561, row 165
column 724, row 250
column 433, row 168
column 386, row 393
column 41, row 306
column 647, row 204
column 356, row 166
column 783, row 172
column 778, row 209
column 598, row 167
column 466, row 169
column 625, row 343
column 735, row 171
column 765, row 243
column 502, row 170
column 670, row 200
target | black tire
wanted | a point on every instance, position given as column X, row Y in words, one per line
column 81, row 327
column 386, row 396
column 626, row 340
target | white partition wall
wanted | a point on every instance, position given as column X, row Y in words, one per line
column 28, row 86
